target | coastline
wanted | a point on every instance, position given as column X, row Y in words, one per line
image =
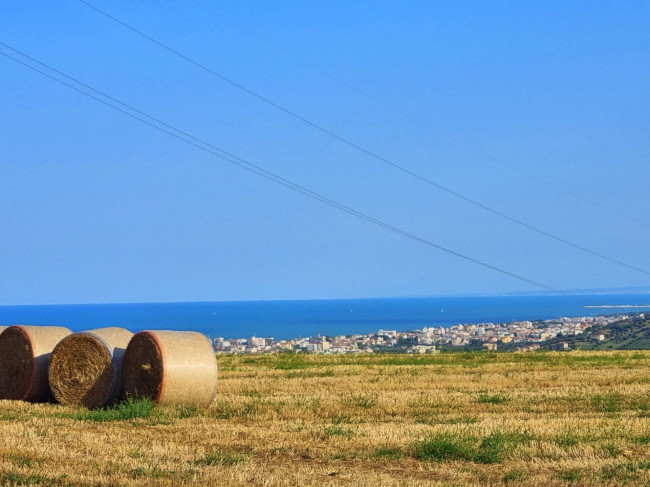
column 614, row 306
column 523, row 336
column 304, row 318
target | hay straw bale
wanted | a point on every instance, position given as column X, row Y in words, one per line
column 86, row 367
column 171, row 367
column 24, row 359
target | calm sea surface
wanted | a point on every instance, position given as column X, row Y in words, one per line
column 287, row 319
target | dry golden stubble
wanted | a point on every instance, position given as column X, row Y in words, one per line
column 561, row 420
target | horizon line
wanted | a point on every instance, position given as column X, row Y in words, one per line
column 587, row 291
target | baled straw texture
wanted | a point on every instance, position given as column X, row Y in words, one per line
column 3, row 328
column 86, row 367
column 171, row 367
column 24, row 359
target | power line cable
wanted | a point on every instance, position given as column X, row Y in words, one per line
column 405, row 114
column 362, row 149
column 242, row 163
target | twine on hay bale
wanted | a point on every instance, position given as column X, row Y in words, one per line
column 171, row 367
column 86, row 367
column 24, row 359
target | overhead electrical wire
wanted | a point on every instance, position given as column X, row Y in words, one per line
column 405, row 114
column 244, row 164
column 362, row 149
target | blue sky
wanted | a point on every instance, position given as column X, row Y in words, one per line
column 537, row 109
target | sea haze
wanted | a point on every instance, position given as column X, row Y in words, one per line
column 288, row 319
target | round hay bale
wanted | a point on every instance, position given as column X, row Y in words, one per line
column 86, row 367
column 171, row 367
column 24, row 359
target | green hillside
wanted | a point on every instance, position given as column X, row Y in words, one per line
column 629, row 334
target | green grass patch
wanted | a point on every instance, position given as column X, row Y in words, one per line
column 364, row 401
column 608, row 403
column 152, row 472
column 344, row 455
column 643, row 465
column 461, row 420
column 306, row 374
column 623, row 472
column 389, row 453
column 570, row 475
column 641, row 439
column 28, row 461
column 298, row 361
column 126, row 410
column 443, row 447
column 612, row 450
column 341, row 419
column 225, row 458
column 494, row 446
column 514, row 476
column 14, row 478
column 10, row 416
column 492, row 399
column 489, row 449
column 336, row 430
column 568, row 439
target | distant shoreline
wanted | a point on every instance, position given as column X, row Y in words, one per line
column 289, row 319
column 619, row 306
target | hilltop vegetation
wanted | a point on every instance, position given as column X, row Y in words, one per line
column 629, row 334
column 552, row 418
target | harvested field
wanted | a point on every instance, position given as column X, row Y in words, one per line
column 578, row 418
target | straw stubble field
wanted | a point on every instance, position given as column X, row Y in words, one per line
column 578, row 418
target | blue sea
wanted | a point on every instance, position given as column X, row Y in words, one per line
column 289, row 319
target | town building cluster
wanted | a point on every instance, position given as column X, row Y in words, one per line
column 490, row 336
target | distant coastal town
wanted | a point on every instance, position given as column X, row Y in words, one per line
column 515, row 336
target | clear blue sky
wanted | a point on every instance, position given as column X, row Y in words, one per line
column 97, row 207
